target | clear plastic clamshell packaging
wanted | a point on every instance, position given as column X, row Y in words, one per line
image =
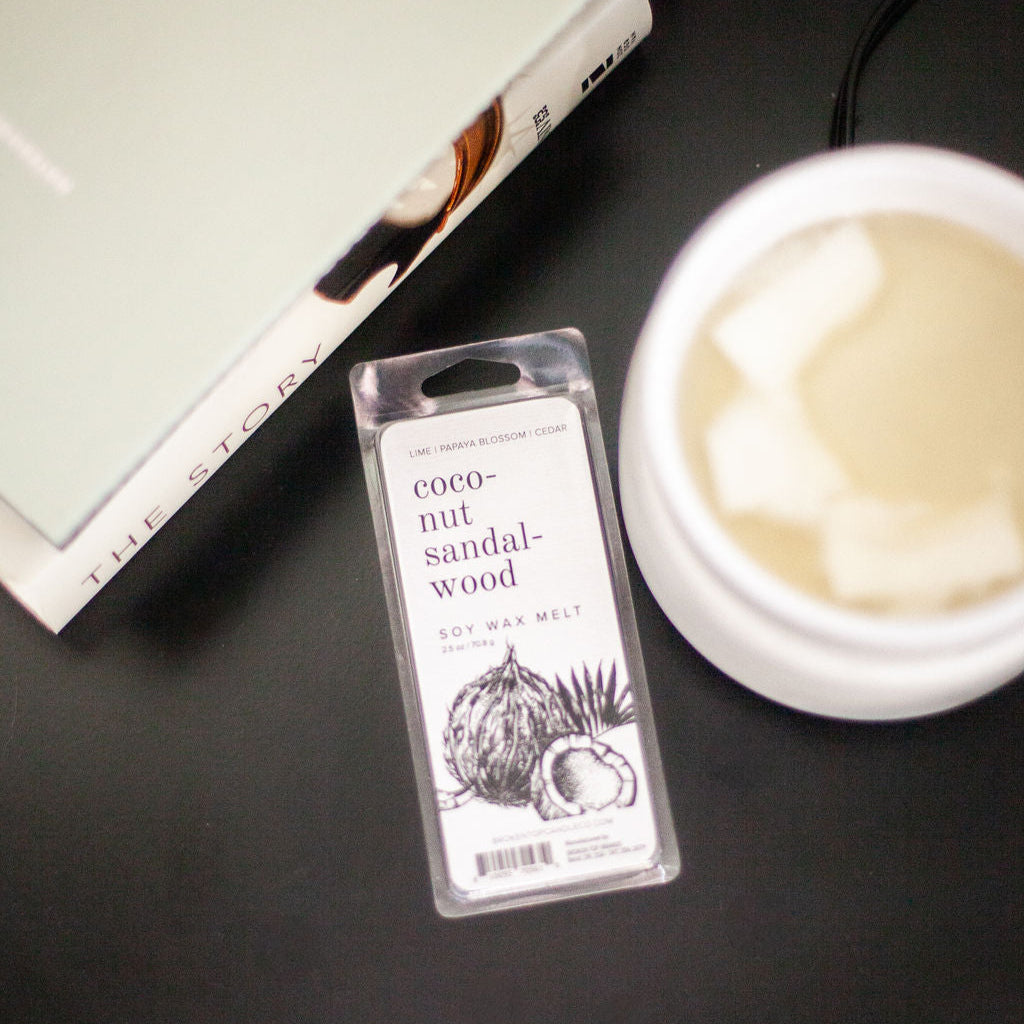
column 536, row 761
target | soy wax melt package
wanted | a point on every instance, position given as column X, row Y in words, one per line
column 538, row 771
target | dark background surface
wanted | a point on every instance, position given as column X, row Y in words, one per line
column 207, row 809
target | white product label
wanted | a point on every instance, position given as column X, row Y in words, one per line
column 517, row 648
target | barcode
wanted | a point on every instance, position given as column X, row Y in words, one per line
column 511, row 857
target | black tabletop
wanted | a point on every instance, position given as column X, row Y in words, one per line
column 207, row 808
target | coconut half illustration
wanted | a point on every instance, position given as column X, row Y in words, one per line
column 578, row 773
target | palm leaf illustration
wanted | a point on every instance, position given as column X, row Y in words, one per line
column 594, row 706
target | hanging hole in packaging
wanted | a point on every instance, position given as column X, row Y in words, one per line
column 470, row 375
column 536, row 762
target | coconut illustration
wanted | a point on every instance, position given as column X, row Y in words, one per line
column 514, row 739
column 497, row 728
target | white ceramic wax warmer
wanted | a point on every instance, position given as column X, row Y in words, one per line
column 773, row 638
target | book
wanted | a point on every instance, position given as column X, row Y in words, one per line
column 159, row 299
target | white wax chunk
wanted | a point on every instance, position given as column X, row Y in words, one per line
column 766, row 459
column 771, row 334
column 906, row 555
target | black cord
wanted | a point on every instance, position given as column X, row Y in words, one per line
column 844, row 113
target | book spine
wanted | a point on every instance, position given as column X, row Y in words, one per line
column 55, row 583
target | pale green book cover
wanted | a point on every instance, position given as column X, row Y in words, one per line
column 172, row 176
